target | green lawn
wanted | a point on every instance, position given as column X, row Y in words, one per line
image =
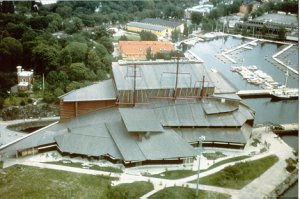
column 130, row 190
column 240, row 174
column 226, row 161
column 35, row 183
column 92, row 167
column 177, row 174
column 187, row 193
column 32, row 182
column 129, row 35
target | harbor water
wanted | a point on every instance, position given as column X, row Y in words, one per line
column 261, row 56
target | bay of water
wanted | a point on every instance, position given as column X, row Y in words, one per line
column 266, row 111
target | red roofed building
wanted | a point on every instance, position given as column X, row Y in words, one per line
column 137, row 50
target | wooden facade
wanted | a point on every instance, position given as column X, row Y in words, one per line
column 69, row 110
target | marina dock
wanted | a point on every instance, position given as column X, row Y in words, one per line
column 245, row 46
column 262, row 93
column 286, row 129
column 283, row 64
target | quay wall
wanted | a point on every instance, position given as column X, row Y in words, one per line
column 284, row 186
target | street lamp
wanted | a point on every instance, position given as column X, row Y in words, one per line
column 201, row 139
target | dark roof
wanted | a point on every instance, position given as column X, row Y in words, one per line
column 146, row 26
column 192, row 114
column 161, row 22
column 140, row 120
column 88, row 140
column 231, row 135
column 103, row 90
column 164, row 145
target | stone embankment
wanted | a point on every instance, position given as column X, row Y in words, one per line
column 285, row 185
column 30, row 111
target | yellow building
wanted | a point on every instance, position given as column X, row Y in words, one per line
column 139, row 27
column 170, row 25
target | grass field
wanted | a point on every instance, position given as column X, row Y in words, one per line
column 177, row 174
column 31, row 182
column 129, row 35
column 187, row 193
column 240, row 174
column 35, row 183
column 130, row 190
column 92, row 167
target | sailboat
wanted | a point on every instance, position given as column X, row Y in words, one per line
column 284, row 94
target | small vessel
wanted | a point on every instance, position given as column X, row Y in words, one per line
column 283, row 93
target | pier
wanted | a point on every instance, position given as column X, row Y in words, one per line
column 286, row 129
column 195, row 56
column 245, row 46
column 262, row 93
column 283, row 64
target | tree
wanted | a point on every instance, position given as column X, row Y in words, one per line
column 65, row 58
column 281, row 33
column 56, row 79
column 78, row 72
column 123, row 38
column 7, row 7
column 64, row 11
column 148, row 54
column 185, row 31
column 175, row 35
column 77, row 51
column 148, row 36
column 45, row 58
column 93, row 61
column 11, row 53
column 107, row 43
column 73, row 25
column 196, row 18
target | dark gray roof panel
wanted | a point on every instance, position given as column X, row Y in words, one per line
column 140, row 120
column 103, row 90
column 154, row 146
column 158, row 75
column 87, row 145
column 161, row 22
column 232, row 135
column 217, row 107
column 231, row 96
column 126, row 142
column 146, row 26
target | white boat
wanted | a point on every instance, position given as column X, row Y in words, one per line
column 284, row 95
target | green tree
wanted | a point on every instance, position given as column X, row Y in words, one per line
column 64, row 11
column 175, row 34
column 65, row 57
column 196, row 18
column 45, row 58
column 57, row 79
column 93, row 61
column 78, row 72
column 185, row 31
column 77, row 51
column 123, row 38
column 148, row 54
column 73, row 25
column 11, row 53
column 281, row 33
column 148, row 36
